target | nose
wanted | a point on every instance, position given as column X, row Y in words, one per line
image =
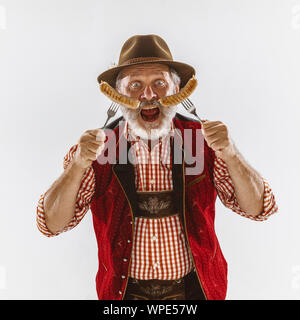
column 148, row 94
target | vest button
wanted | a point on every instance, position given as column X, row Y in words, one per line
column 120, row 292
column 125, row 260
column 123, row 277
column 128, row 241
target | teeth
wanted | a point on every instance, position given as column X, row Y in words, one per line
column 150, row 108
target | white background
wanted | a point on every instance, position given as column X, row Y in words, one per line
column 246, row 54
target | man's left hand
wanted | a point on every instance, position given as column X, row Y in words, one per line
column 217, row 137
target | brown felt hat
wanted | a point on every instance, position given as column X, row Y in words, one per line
column 141, row 49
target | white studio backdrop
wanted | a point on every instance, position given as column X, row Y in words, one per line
column 246, row 55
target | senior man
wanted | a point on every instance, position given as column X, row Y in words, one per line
column 154, row 221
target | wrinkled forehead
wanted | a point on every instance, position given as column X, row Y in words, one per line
column 144, row 69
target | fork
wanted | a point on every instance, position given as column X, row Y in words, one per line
column 189, row 107
column 112, row 110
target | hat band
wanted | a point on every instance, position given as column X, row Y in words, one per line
column 142, row 59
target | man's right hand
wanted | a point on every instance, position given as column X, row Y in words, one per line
column 90, row 145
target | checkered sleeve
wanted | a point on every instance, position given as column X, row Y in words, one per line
column 225, row 191
column 84, row 196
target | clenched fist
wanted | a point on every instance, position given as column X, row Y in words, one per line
column 90, row 145
column 217, row 137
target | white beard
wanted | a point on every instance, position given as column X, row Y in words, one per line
column 151, row 131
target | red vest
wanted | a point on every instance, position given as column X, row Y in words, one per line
column 113, row 205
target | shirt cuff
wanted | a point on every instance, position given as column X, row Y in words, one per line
column 225, row 190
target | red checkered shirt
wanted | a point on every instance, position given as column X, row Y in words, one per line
column 159, row 248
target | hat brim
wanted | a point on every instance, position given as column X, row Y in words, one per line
column 184, row 71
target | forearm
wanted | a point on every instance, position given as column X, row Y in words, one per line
column 248, row 184
column 60, row 199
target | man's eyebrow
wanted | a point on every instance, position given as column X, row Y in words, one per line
column 139, row 73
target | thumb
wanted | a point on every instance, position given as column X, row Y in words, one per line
column 202, row 130
column 100, row 135
column 100, row 149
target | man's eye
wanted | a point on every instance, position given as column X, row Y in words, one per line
column 135, row 85
column 160, row 83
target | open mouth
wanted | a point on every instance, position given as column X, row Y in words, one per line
column 150, row 114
